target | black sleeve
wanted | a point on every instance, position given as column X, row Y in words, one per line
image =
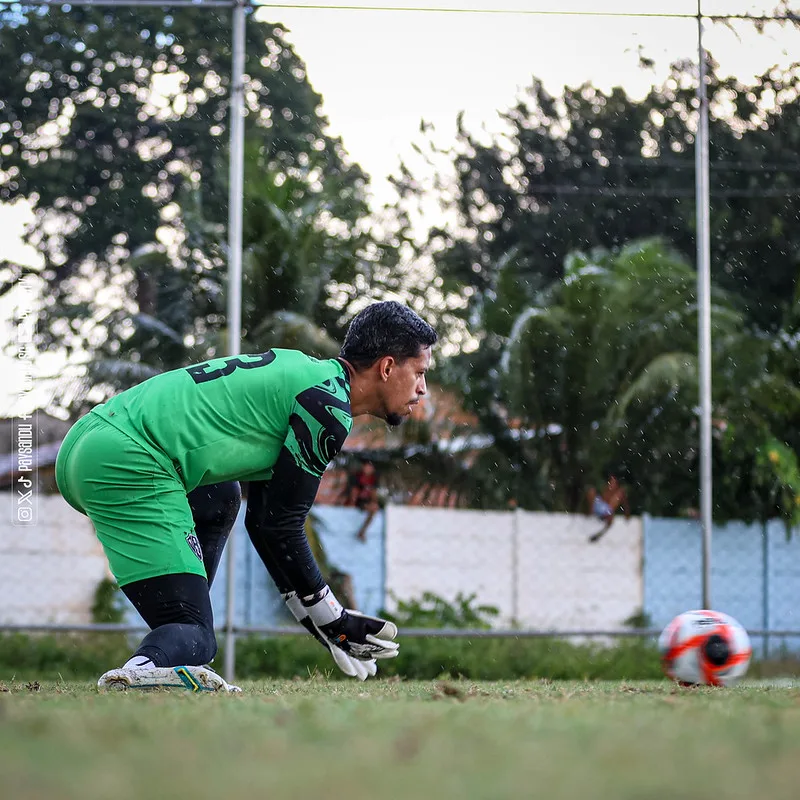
column 277, row 509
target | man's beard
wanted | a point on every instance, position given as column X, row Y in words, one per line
column 393, row 420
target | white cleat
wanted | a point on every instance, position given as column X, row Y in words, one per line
column 195, row 679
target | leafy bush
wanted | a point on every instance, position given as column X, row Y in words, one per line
column 432, row 611
column 65, row 655
column 86, row 656
column 778, row 469
column 109, row 604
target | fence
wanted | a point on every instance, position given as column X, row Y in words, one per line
column 755, row 574
column 538, row 570
column 49, row 571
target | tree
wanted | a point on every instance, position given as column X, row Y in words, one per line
column 598, row 372
column 593, row 169
column 597, row 376
column 589, row 169
column 114, row 123
column 308, row 256
column 761, row 445
column 304, row 264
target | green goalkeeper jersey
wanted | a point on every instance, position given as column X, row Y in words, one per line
column 231, row 418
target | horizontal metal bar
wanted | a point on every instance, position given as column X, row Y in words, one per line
column 411, row 9
column 123, row 3
column 414, row 633
column 70, row 628
column 471, row 633
column 480, row 633
column 532, row 12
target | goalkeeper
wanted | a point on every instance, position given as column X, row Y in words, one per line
column 156, row 469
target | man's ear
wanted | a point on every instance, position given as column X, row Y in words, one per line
column 385, row 367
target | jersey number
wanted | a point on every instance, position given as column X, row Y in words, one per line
column 202, row 374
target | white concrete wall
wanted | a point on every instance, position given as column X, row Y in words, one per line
column 447, row 551
column 565, row 582
column 48, row 571
column 538, row 569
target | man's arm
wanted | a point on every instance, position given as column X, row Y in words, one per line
column 350, row 666
column 257, row 498
column 275, row 521
column 277, row 509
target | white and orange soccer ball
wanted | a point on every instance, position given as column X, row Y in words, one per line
column 705, row 647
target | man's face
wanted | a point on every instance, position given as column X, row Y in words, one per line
column 403, row 385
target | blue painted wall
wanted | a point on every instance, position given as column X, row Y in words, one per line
column 755, row 574
column 256, row 600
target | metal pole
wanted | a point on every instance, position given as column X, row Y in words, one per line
column 235, row 188
column 704, row 308
column 765, row 616
column 515, row 523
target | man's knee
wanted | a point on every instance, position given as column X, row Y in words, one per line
column 195, row 638
column 207, row 646
column 172, row 645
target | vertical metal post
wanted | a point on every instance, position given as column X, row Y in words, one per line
column 235, row 203
column 704, row 308
column 515, row 523
column 765, row 616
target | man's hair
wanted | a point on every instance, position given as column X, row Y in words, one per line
column 386, row 329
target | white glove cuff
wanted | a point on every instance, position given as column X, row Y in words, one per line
column 323, row 607
column 295, row 605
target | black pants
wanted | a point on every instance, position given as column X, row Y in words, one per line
column 177, row 608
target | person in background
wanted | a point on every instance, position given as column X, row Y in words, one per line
column 361, row 492
column 365, row 496
column 605, row 505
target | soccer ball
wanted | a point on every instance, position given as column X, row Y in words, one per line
column 705, row 647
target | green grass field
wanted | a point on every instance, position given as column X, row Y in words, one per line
column 384, row 739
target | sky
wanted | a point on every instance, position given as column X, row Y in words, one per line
column 381, row 72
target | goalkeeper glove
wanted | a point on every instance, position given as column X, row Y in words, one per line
column 360, row 636
column 352, row 667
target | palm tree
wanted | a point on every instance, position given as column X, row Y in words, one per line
column 598, row 375
column 305, row 253
column 173, row 316
column 762, row 444
column 307, row 256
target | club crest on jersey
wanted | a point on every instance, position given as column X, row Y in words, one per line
column 194, row 543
